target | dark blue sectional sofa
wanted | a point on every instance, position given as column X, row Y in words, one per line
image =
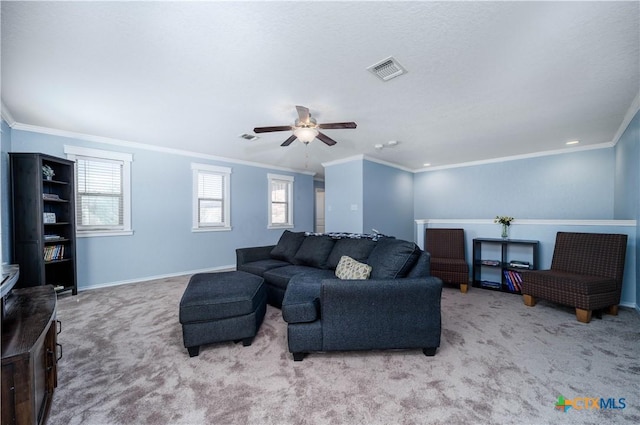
column 397, row 307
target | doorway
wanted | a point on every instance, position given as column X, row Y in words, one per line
column 319, row 223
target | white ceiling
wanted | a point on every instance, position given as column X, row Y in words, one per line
column 485, row 79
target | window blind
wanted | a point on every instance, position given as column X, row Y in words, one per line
column 279, row 201
column 210, row 198
column 100, row 194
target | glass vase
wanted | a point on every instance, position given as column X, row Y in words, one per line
column 505, row 231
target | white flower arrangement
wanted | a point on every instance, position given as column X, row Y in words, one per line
column 47, row 171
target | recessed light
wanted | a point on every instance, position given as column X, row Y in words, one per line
column 573, row 142
column 427, row 164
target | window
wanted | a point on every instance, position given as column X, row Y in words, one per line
column 103, row 191
column 280, row 201
column 211, row 203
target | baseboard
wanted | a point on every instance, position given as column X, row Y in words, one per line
column 163, row 276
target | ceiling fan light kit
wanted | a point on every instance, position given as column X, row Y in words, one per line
column 306, row 128
column 306, row 134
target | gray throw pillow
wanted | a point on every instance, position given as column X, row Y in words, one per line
column 287, row 246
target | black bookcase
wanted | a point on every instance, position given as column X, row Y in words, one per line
column 44, row 222
column 497, row 263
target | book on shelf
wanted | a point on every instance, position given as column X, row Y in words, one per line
column 490, row 262
column 52, row 237
column 53, row 252
column 516, row 264
column 514, row 280
column 490, row 284
column 50, row 196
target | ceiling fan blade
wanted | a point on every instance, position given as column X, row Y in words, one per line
column 338, row 125
column 269, row 129
column 303, row 113
column 326, row 139
column 289, row 140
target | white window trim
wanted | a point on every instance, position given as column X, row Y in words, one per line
column 290, row 179
column 226, row 226
column 72, row 152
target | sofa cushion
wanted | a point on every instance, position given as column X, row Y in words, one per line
column 280, row 276
column 261, row 266
column 350, row 269
column 287, row 246
column 358, row 249
column 392, row 258
column 314, row 251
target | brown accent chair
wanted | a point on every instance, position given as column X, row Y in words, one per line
column 448, row 261
column 586, row 273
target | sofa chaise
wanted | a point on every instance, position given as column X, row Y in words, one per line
column 397, row 306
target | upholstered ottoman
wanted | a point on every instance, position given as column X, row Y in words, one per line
column 225, row 306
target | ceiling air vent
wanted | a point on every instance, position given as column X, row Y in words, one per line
column 387, row 69
column 250, row 137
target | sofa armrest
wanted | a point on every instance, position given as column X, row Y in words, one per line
column 256, row 253
column 380, row 314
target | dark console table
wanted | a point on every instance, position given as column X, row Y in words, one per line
column 497, row 263
column 29, row 355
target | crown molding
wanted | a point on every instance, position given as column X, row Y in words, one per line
column 363, row 157
column 144, row 146
column 343, row 160
column 631, row 112
column 388, row 164
column 6, row 115
column 519, row 157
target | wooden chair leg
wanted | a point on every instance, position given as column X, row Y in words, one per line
column 612, row 310
column 464, row 287
column 583, row 316
column 529, row 300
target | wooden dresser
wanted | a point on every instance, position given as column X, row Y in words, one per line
column 29, row 355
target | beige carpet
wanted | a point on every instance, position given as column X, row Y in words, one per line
column 499, row 362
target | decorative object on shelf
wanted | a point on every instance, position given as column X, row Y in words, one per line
column 47, row 171
column 49, row 218
column 506, row 222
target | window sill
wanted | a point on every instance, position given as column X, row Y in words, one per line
column 210, row 229
column 100, row 233
column 280, row 226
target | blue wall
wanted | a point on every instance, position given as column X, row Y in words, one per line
column 163, row 243
column 5, row 192
column 344, row 197
column 362, row 195
column 627, row 190
column 576, row 185
column 388, row 200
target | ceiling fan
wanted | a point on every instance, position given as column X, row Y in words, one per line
column 306, row 128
